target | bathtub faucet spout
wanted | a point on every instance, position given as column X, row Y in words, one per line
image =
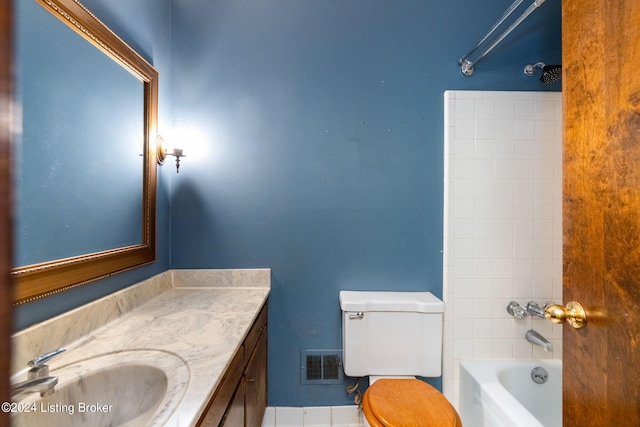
column 535, row 338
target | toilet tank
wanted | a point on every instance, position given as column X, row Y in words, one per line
column 391, row 333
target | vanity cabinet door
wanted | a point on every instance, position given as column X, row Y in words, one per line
column 223, row 396
column 234, row 417
column 255, row 378
column 241, row 398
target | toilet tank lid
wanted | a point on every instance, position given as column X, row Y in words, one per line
column 420, row 302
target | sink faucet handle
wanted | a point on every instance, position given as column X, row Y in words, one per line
column 41, row 360
column 38, row 367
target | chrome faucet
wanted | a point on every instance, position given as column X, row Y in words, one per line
column 534, row 309
column 516, row 310
column 38, row 379
column 44, row 385
column 535, row 338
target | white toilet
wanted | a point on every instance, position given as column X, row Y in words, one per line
column 391, row 337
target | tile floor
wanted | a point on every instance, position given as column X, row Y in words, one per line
column 322, row 416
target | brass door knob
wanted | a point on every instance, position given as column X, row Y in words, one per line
column 573, row 314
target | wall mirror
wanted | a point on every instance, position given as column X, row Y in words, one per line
column 84, row 167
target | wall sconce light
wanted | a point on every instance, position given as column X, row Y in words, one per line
column 164, row 151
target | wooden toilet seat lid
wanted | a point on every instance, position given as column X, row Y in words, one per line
column 407, row 403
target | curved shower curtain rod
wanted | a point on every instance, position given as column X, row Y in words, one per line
column 467, row 64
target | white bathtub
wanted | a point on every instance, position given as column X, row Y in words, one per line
column 497, row 393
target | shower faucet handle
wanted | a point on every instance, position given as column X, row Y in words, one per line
column 534, row 309
column 516, row 310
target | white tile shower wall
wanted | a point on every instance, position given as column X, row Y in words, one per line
column 502, row 223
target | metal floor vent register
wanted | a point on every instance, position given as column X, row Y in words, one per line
column 321, row 367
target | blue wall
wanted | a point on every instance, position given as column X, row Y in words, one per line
column 144, row 25
column 324, row 152
column 324, row 155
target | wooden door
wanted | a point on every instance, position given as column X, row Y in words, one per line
column 6, row 294
column 601, row 96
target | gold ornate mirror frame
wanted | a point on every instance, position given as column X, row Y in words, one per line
column 38, row 280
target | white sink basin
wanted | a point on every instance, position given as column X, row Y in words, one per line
column 130, row 388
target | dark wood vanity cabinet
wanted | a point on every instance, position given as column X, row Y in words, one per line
column 241, row 398
column 255, row 379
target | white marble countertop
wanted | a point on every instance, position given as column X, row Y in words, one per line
column 194, row 318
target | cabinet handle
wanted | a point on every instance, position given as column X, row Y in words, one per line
column 251, row 380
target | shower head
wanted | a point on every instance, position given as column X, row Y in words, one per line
column 550, row 73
